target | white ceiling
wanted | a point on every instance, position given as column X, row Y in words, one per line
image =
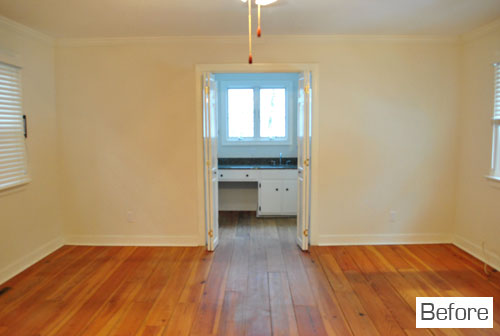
column 126, row 18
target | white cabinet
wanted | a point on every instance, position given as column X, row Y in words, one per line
column 289, row 205
column 277, row 189
column 270, row 197
column 278, row 193
column 238, row 175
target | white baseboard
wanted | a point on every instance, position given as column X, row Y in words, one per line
column 23, row 263
column 384, row 239
column 488, row 257
column 125, row 240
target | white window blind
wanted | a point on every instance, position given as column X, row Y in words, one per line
column 13, row 164
column 496, row 113
column 495, row 156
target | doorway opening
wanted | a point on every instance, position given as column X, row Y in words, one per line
column 257, row 131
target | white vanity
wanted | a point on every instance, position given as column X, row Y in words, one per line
column 270, row 192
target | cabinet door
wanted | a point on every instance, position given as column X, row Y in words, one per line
column 289, row 206
column 270, row 196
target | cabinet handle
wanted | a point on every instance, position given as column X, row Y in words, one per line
column 247, row 175
column 286, row 189
column 276, row 189
column 221, row 175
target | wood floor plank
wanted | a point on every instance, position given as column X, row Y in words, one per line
column 354, row 312
column 402, row 276
column 309, row 321
column 186, row 309
column 232, row 321
column 390, row 265
column 163, row 305
column 333, row 318
column 440, row 262
column 257, row 282
column 256, row 300
column 429, row 265
column 400, row 309
column 210, row 306
column 25, row 289
column 297, row 277
column 280, row 300
column 181, row 321
column 237, row 279
column 381, row 316
column 443, row 258
column 116, row 308
column 433, row 279
column 471, row 262
column 196, row 282
column 112, row 312
column 150, row 291
column 106, row 281
column 32, row 277
column 26, row 309
column 31, row 320
column 257, row 305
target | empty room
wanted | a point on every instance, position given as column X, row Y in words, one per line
column 255, row 167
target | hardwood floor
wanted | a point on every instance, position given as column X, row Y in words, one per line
column 256, row 283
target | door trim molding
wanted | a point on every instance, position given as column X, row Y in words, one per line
column 257, row 68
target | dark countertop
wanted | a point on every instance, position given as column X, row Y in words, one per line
column 288, row 166
column 257, row 163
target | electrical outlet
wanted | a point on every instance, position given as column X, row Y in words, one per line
column 131, row 216
column 393, row 213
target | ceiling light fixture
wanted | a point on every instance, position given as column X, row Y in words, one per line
column 259, row 32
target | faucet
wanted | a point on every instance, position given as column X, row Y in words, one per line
column 281, row 157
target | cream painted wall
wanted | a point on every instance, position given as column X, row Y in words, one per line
column 478, row 200
column 386, row 137
column 30, row 216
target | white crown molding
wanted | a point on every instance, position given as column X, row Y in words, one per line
column 480, row 31
column 383, row 239
column 23, row 263
column 25, row 31
column 85, row 42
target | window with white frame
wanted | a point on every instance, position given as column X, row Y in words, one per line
column 255, row 110
column 495, row 161
column 13, row 164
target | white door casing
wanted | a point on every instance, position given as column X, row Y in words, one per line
column 304, row 128
column 200, row 71
column 210, row 160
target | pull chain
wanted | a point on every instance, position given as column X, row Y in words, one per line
column 258, row 27
column 250, row 31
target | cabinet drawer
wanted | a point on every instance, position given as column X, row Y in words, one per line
column 278, row 174
column 237, row 175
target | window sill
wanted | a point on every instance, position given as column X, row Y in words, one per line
column 493, row 180
column 14, row 186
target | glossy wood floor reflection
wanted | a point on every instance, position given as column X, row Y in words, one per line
column 256, row 283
